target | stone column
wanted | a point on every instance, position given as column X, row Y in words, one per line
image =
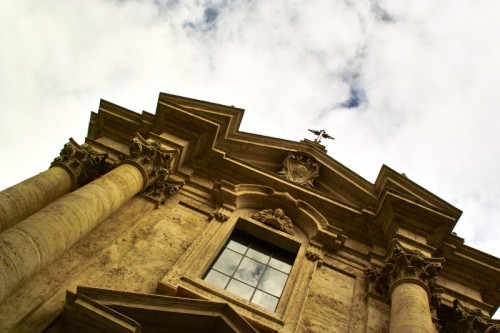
column 75, row 166
column 407, row 278
column 34, row 243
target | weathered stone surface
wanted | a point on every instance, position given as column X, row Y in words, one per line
column 31, row 195
column 330, row 296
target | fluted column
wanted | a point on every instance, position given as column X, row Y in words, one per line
column 75, row 166
column 407, row 278
column 41, row 238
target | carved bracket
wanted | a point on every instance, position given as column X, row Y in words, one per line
column 83, row 162
column 314, row 253
column 275, row 218
column 300, row 169
column 219, row 216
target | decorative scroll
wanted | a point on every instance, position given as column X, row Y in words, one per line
column 275, row 218
column 300, row 169
column 405, row 264
column 83, row 162
column 464, row 320
column 156, row 164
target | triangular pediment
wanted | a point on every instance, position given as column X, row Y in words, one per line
column 101, row 310
column 209, row 141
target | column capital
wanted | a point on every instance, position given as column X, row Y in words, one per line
column 405, row 266
column 82, row 162
column 467, row 320
column 156, row 165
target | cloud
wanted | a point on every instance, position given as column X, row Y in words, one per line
column 409, row 84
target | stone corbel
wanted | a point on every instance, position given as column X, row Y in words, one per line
column 83, row 163
column 315, row 253
column 220, row 215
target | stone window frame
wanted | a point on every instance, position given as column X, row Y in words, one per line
column 312, row 237
column 242, row 251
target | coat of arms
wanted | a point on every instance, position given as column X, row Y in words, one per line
column 300, row 169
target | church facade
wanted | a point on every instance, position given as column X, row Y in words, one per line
column 178, row 222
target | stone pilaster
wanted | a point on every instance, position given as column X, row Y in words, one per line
column 75, row 166
column 408, row 279
column 34, row 243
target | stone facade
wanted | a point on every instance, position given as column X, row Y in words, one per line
column 119, row 234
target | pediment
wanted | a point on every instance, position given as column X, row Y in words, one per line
column 93, row 309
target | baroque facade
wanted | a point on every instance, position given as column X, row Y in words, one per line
column 179, row 222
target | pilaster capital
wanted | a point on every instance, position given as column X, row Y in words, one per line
column 82, row 162
column 156, row 164
column 464, row 320
column 405, row 266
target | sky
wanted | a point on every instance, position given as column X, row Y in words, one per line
column 409, row 84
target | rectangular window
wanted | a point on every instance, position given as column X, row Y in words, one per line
column 252, row 269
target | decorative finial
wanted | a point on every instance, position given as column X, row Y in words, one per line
column 321, row 134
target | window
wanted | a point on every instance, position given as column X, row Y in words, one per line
column 252, row 269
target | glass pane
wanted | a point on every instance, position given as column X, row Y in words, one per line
column 273, row 281
column 280, row 265
column 259, row 256
column 227, row 262
column 249, row 271
column 240, row 289
column 216, row 278
column 265, row 300
column 236, row 246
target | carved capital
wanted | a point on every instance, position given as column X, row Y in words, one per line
column 83, row 162
column 300, row 169
column 155, row 163
column 404, row 265
column 275, row 218
column 464, row 320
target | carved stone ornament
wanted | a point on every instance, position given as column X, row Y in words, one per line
column 465, row 320
column 83, row 162
column 300, row 169
column 156, row 164
column 218, row 216
column 404, row 264
column 275, row 218
column 313, row 253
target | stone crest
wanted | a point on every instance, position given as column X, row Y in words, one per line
column 83, row 162
column 300, row 169
column 275, row 218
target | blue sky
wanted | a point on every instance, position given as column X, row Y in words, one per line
column 412, row 84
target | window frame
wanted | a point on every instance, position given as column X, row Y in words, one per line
column 185, row 279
